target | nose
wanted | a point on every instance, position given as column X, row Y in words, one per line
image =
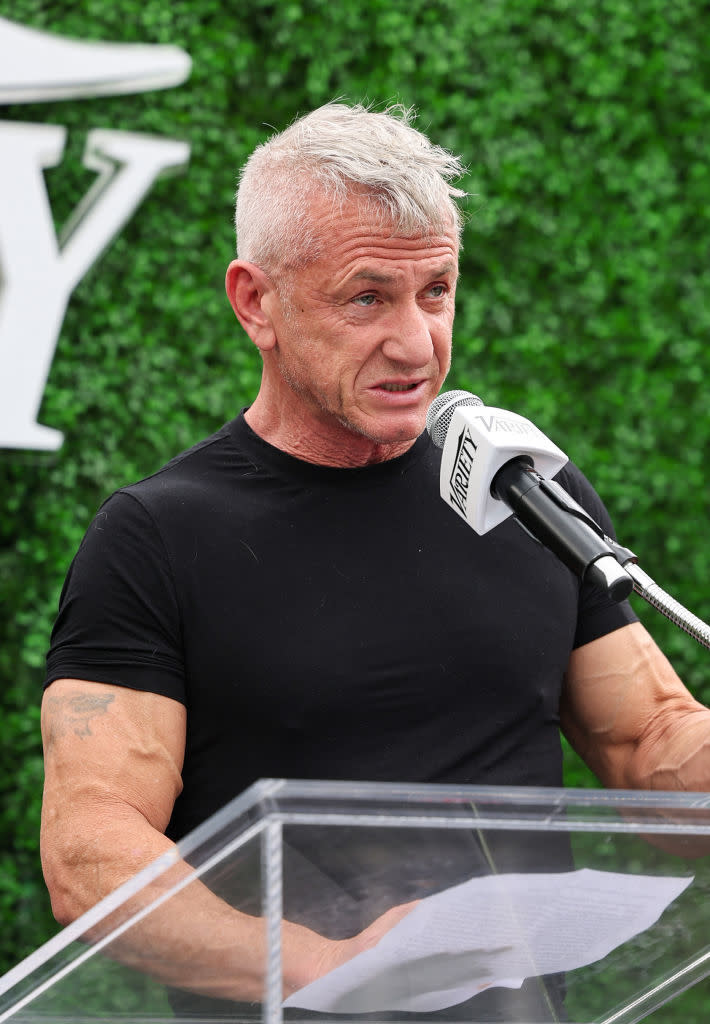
column 409, row 341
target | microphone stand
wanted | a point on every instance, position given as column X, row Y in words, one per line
column 645, row 587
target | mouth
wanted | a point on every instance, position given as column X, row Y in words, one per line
column 388, row 386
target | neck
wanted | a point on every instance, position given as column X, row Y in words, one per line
column 324, row 444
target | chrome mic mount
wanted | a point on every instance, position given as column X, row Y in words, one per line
column 658, row 598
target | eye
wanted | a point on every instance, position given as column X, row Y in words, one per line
column 437, row 291
column 368, row 299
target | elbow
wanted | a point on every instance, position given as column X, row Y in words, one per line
column 64, row 875
column 63, row 910
column 64, row 898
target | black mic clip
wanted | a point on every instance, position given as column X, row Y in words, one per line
column 563, row 526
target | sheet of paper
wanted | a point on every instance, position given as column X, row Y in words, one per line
column 493, row 931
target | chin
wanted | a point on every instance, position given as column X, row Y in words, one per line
column 395, row 427
column 396, row 433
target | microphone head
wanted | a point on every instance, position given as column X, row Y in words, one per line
column 441, row 411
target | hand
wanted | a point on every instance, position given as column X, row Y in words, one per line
column 334, row 952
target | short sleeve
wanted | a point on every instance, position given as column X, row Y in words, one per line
column 598, row 614
column 118, row 619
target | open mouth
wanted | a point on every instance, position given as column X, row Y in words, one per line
column 399, row 387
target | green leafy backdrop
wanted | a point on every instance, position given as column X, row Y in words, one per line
column 584, row 299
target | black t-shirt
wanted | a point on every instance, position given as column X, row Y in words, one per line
column 329, row 623
column 336, row 624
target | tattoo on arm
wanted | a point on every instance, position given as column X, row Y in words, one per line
column 75, row 712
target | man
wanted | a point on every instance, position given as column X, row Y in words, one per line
column 292, row 598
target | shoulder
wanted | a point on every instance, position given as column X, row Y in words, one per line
column 198, row 475
column 130, row 517
column 184, row 468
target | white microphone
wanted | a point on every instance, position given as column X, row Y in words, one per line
column 496, row 464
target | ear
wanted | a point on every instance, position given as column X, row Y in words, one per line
column 248, row 290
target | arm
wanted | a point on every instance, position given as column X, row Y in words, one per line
column 113, row 758
column 626, row 712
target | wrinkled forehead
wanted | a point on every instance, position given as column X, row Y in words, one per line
column 356, row 237
column 328, row 227
column 363, row 256
column 372, row 209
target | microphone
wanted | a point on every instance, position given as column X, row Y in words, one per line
column 496, row 464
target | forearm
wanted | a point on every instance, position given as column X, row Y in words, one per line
column 675, row 755
column 192, row 940
column 626, row 712
column 195, row 941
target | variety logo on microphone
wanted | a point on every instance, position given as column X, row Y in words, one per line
column 504, row 425
column 474, row 449
column 34, row 263
column 461, row 471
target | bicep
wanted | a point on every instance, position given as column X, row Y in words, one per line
column 109, row 744
column 622, row 702
column 113, row 758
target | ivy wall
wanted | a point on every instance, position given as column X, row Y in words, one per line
column 584, row 299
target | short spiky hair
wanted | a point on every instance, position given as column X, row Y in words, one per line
column 339, row 150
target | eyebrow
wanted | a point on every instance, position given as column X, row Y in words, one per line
column 377, row 277
column 373, row 275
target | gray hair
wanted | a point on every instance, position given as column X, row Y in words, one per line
column 342, row 150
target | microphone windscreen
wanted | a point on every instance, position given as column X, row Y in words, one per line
column 441, row 410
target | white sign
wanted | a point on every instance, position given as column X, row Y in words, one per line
column 38, row 272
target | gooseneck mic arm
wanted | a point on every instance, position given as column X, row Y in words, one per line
column 660, row 599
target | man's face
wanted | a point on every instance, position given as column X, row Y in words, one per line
column 363, row 335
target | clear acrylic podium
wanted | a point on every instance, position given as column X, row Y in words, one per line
column 528, row 905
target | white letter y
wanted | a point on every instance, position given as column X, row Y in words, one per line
column 36, row 275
